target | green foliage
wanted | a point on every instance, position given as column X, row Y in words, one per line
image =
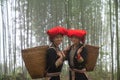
column 18, row 76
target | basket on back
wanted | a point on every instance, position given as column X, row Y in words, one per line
column 93, row 52
column 35, row 61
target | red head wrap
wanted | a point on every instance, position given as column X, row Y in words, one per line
column 78, row 33
column 56, row 30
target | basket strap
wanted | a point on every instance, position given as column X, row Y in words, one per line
column 53, row 48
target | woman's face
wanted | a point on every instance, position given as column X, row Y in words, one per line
column 58, row 39
column 75, row 40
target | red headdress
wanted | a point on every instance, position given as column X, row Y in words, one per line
column 78, row 33
column 56, row 30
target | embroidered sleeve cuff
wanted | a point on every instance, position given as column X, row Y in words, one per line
column 58, row 62
column 80, row 59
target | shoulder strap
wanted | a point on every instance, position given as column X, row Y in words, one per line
column 52, row 47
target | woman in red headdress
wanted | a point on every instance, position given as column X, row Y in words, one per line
column 55, row 57
column 76, row 54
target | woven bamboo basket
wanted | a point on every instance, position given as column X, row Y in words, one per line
column 93, row 52
column 35, row 61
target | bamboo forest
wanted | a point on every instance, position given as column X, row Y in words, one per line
column 23, row 24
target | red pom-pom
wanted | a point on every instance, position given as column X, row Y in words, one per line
column 56, row 30
column 77, row 33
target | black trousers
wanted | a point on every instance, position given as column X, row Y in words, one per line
column 78, row 76
column 55, row 78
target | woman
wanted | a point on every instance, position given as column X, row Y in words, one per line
column 76, row 55
column 55, row 57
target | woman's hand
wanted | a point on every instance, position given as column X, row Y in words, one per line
column 59, row 62
column 80, row 50
column 60, row 59
column 59, row 54
column 79, row 57
column 63, row 54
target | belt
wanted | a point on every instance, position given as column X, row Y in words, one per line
column 52, row 74
column 77, row 70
